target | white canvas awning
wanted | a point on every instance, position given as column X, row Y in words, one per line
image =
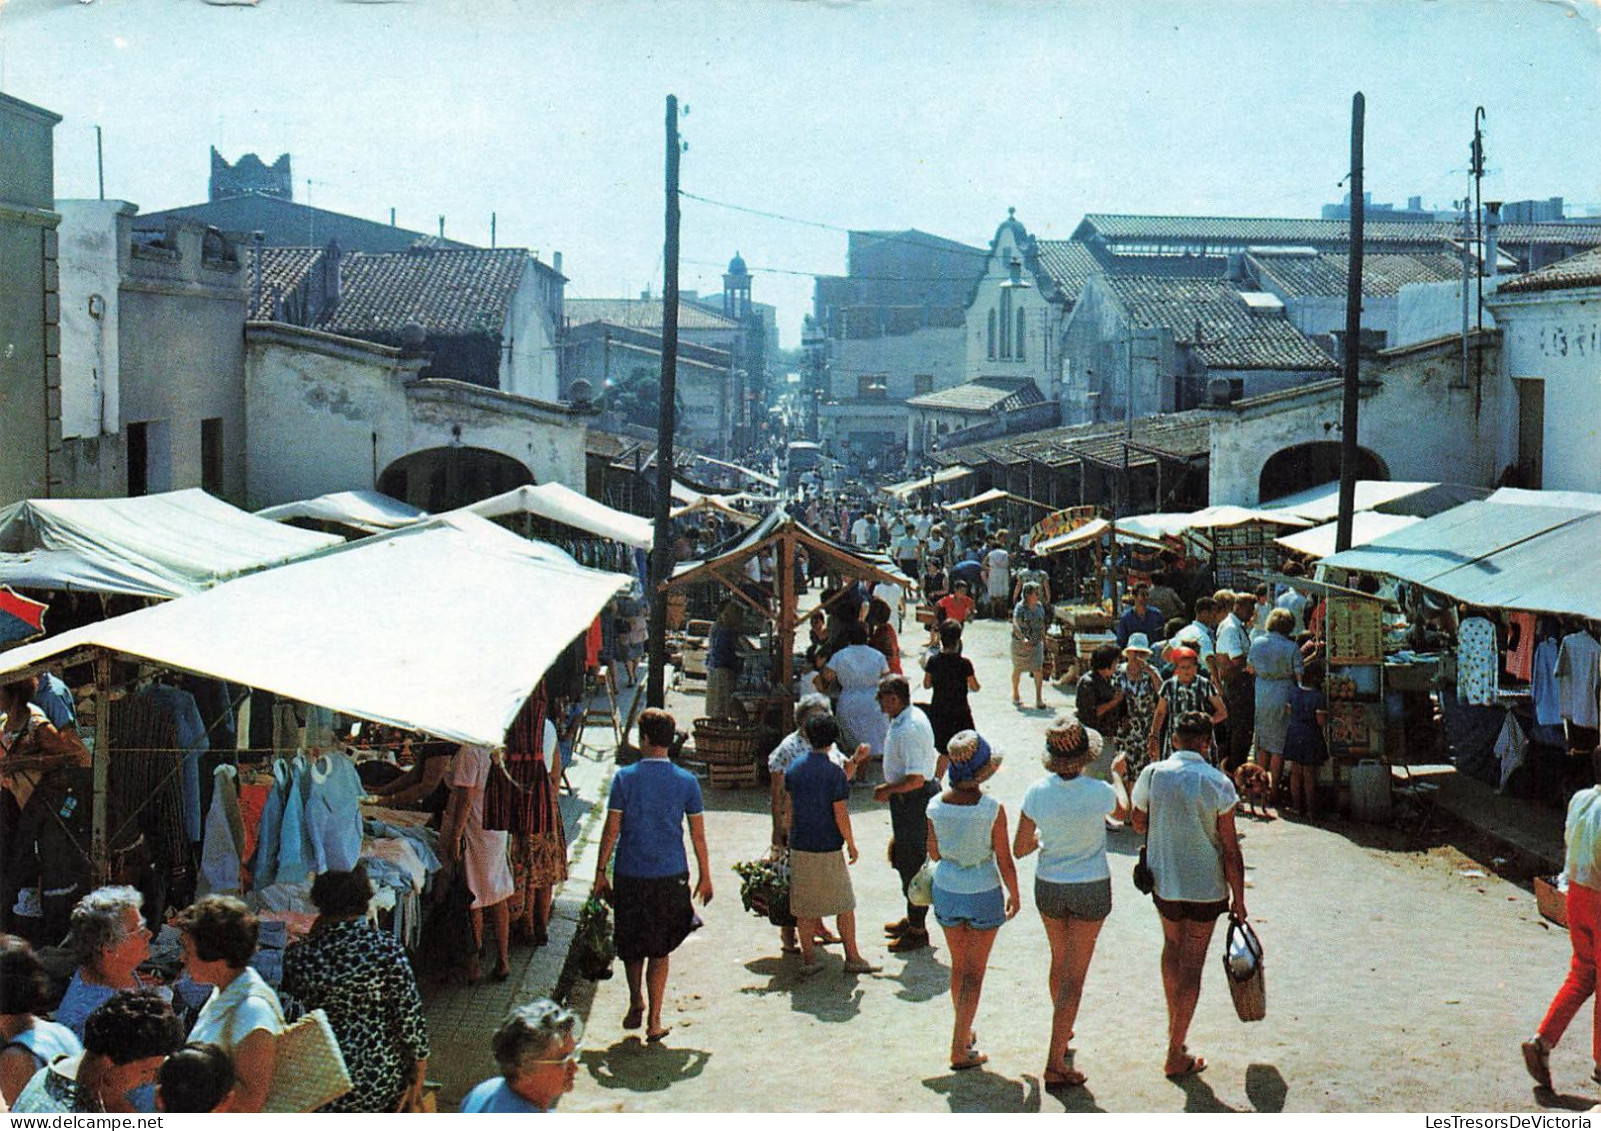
column 1073, row 539
column 1366, row 526
column 1427, row 551
column 562, row 504
column 160, row 546
column 444, row 626
column 906, row 489
column 716, row 504
column 1321, row 504
column 1152, row 527
column 360, row 510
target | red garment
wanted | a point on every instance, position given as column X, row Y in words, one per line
column 592, row 642
column 1520, row 658
column 252, row 802
column 957, row 607
column 1584, row 918
column 884, row 640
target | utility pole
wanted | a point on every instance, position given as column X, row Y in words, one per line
column 661, row 556
column 1353, row 333
column 1477, row 168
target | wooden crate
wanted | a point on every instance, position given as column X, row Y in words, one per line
column 726, row 776
column 1553, row 904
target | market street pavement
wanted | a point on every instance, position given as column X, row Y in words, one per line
column 1396, row 980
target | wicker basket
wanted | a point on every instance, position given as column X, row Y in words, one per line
column 721, row 742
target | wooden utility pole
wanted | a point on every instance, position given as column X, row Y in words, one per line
column 1353, row 334
column 661, row 556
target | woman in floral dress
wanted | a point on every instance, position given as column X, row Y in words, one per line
column 1141, row 687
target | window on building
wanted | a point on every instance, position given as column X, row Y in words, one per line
column 138, row 459
column 1022, row 351
column 1006, row 325
column 872, row 386
column 922, row 383
column 211, row 455
column 991, row 351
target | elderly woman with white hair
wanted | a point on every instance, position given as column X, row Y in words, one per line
column 110, row 939
column 536, row 1048
column 1064, row 817
column 968, row 841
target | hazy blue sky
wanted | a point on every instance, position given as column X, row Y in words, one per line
column 936, row 115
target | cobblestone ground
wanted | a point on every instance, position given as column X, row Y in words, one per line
column 1398, row 979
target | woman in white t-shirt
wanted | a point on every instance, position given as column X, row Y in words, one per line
column 243, row 1015
column 1064, row 816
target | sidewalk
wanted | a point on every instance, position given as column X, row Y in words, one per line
column 1523, row 827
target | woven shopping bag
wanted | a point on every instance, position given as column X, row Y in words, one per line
column 1242, row 963
column 310, row 1070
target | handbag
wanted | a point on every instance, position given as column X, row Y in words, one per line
column 309, row 1070
column 920, row 892
column 1242, row 962
column 1144, row 878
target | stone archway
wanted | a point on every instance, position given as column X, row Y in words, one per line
column 1311, row 465
column 442, row 479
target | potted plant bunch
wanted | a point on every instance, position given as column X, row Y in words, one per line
column 764, row 889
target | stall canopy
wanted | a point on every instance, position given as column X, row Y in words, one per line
column 159, row 546
column 714, row 504
column 1366, row 526
column 1427, row 551
column 1154, row 527
column 1577, row 500
column 562, row 504
column 908, row 488
column 444, row 626
column 994, row 495
column 1421, row 500
column 361, row 510
column 1073, row 539
column 1552, row 572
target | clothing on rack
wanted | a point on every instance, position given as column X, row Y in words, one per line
column 1510, row 747
column 1476, row 662
column 333, row 812
column 1520, row 646
column 1546, row 687
column 222, row 851
column 1578, row 666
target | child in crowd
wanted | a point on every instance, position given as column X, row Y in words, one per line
column 1304, row 748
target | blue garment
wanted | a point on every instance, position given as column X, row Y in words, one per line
column 654, row 796
column 294, row 848
column 1303, row 744
column 55, row 700
column 969, row 571
column 722, row 648
column 1547, row 696
column 193, row 741
column 495, row 1097
column 1131, row 622
column 83, row 998
column 45, row 1041
column 815, row 783
column 265, row 867
column 333, row 813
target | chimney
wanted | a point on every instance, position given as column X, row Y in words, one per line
column 1414, row 204
column 331, row 261
column 555, row 261
column 1236, row 267
column 1492, row 236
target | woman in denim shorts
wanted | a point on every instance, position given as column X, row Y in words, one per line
column 968, row 840
column 1064, row 816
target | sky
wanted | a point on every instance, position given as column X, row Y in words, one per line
column 933, row 114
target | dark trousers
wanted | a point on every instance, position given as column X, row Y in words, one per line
column 908, row 822
column 1240, row 698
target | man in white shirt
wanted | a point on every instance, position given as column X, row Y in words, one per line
column 911, row 771
column 1187, row 808
column 864, row 532
column 1293, row 599
column 1583, row 866
column 903, row 548
column 1197, row 635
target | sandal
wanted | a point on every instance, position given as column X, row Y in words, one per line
column 634, row 1018
column 1194, row 1066
column 1064, row 1078
column 974, row 1059
column 1537, row 1059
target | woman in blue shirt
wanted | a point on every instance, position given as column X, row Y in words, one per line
column 536, row 1048
column 967, row 839
column 649, row 886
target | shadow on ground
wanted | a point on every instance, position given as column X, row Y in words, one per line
column 635, row 1066
column 982, row 1090
column 1265, row 1087
column 831, row 995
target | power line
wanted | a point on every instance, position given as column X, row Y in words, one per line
column 951, row 247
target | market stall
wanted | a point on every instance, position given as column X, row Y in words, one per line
column 357, row 513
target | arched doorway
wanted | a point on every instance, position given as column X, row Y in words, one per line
column 442, row 479
column 1312, row 465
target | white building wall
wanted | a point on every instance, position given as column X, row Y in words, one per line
column 1039, row 359
column 90, row 278
column 1425, row 311
column 1555, row 337
column 935, row 351
column 530, row 368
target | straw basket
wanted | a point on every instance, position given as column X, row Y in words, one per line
column 1250, row 990
column 729, row 751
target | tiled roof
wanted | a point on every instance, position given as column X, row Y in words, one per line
column 447, row 291
column 1068, row 263
column 1240, row 231
column 1232, row 336
column 983, row 394
column 1179, row 436
column 644, row 314
column 1582, row 270
column 1323, row 276
column 282, row 269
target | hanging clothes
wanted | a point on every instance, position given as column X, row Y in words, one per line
column 264, row 867
column 294, row 846
column 222, row 851
column 333, row 813
column 1520, row 646
column 193, row 741
column 1546, row 687
column 1510, row 747
column 1476, row 662
column 1578, row 664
